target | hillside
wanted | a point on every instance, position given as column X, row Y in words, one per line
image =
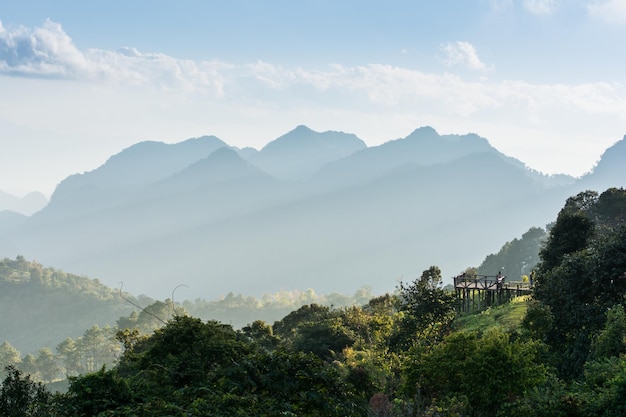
column 41, row 306
column 508, row 316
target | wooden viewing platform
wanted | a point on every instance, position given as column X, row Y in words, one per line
column 479, row 291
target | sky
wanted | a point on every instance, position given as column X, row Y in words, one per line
column 543, row 80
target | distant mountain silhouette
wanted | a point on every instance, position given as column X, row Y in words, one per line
column 310, row 210
column 610, row 171
column 127, row 171
column 423, row 147
column 300, row 153
column 27, row 205
column 222, row 165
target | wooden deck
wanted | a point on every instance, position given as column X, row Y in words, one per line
column 480, row 291
column 489, row 282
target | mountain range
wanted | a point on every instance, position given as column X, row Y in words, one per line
column 26, row 205
column 311, row 209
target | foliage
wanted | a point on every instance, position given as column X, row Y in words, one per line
column 51, row 304
column 581, row 275
column 427, row 309
column 194, row 368
column 22, row 397
column 489, row 370
column 96, row 393
column 560, row 353
column 611, row 340
column 9, row 356
column 517, row 257
column 240, row 310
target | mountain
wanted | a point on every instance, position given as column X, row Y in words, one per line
column 609, row 171
column 219, row 220
column 124, row 173
column 424, row 147
column 300, row 153
column 27, row 205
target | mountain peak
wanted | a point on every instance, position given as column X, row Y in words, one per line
column 302, row 129
column 301, row 152
column 424, row 132
column 609, row 171
column 27, row 205
column 224, row 153
column 223, row 164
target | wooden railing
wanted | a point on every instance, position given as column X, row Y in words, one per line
column 489, row 282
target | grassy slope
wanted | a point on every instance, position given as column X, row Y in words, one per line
column 508, row 316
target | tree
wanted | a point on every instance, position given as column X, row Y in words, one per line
column 20, row 396
column 515, row 258
column 97, row 393
column 611, row 341
column 609, row 209
column 29, row 366
column 262, row 333
column 282, row 383
column 571, row 232
column 486, row 371
column 286, row 328
column 184, row 352
column 98, row 346
column 8, row 355
column 67, row 353
column 323, row 338
column 581, row 275
column 47, row 365
column 427, row 309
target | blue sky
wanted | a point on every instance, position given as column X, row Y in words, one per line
column 543, row 80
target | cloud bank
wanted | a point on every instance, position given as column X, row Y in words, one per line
column 134, row 95
column 48, row 52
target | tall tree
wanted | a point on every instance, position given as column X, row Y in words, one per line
column 428, row 310
column 68, row 354
column 20, row 396
column 9, row 355
column 581, row 275
column 47, row 365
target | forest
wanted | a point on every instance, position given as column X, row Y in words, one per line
column 560, row 351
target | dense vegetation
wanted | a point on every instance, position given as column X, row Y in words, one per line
column 561, row 352
column 39, row 306
column 56, row 324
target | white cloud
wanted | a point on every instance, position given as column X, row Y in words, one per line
column 613, row 11
column 48, row 52
column 462, row 53
column 541, row 7
column 134, row 95
column 43, row 52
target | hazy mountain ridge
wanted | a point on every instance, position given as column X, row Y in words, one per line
column 609, row 169
column 122, row 174
column 26, row 205
column 424, row 146
column 221, row 223
column 301, row 152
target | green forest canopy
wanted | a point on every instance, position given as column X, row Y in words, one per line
column 400, row 354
